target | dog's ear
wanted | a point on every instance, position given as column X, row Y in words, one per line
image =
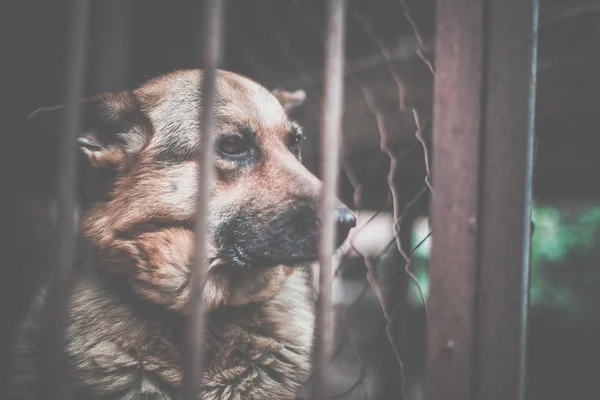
column 112, row 127
column 290, row 100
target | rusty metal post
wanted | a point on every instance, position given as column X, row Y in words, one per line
column 212, row 31
column 54, row 382
column 331, row 122
column 483, row 147
column 505, row 202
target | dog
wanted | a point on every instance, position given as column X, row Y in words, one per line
column 124, row 332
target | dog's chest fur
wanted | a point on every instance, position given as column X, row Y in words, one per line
column 119, row 351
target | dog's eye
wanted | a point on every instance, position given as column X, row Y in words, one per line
column 232, row 145
column 295, row 142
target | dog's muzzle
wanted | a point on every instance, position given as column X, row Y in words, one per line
column 290, row 238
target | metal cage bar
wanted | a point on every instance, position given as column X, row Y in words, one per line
column 53, row 384
column 483, row 147
column 212, row 32
column 330, row 153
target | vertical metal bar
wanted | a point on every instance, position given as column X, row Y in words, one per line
column 330, row 152
column 505, row 202
column 192, row 373
column 456, row 129
column 483, row 132
column 54, row 384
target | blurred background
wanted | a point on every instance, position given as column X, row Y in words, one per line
column 388, row 94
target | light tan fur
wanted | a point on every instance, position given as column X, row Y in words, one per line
column 124, row 337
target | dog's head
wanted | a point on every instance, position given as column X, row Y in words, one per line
column 141, row 148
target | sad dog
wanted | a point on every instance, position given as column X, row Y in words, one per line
column 124, row 336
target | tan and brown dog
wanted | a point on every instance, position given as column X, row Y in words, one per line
column 124, row 335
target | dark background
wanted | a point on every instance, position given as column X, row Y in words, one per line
column 279, row 43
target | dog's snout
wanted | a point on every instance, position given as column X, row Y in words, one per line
column 345, row 221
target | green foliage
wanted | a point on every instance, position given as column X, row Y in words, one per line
column 565, row 261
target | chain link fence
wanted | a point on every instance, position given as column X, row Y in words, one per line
column 379, row 304
column 380, row 280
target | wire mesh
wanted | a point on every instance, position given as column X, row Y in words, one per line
column 397, row 204
column 372, row 332
column 402, row 210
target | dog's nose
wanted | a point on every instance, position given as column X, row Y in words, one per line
column 345, row 221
